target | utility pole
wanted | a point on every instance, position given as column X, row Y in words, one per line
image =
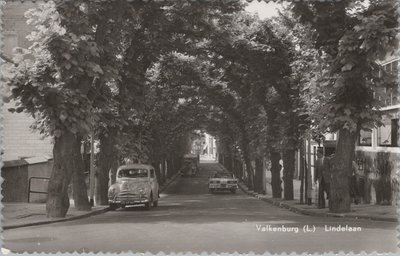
column 308, row 174
column 302, row 172
column 92, row 170
column 140, row 146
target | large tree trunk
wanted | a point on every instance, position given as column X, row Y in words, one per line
column 258, row 177
column 81, row 200
column 65, row 152
column 341, row 170
column 220, row 156
column 275, row 175
column 170, row 167
column 228, row 162
column 239, row 169
column 249, row 171
column 288, row 173
column 163, row 171
column 247, row 159
column 108, row 160
column 156, row 166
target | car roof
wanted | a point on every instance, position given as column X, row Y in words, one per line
column 190, row 156
column 135, row 166
column 224, row 173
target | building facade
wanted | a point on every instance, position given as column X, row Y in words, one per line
column 18, row 139
column 378, row 150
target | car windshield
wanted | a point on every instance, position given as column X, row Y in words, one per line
column 133, row 173
column 223, row 175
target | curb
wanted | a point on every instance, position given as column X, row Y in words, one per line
column 170, row 180
column 92, row 213
column 310, row 212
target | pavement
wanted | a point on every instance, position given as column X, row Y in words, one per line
column 17, row 215
column 189, row 218
column 360, row 211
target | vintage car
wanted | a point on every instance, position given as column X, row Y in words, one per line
column 190, row 165
column 222, row 181
column 135, row 184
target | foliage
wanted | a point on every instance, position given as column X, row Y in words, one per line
column 350, row 40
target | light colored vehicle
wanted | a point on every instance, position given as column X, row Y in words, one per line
column 191, row 167
column 222, row 181
column 135, row 184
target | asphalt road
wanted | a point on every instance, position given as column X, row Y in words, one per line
column 190, row 219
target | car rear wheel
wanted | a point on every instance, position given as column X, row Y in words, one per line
column 155, row 203
column 233, row 191
column 211, row 190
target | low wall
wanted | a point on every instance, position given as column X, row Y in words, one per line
column 16, row 175
column 15, row 184
column 377, row 172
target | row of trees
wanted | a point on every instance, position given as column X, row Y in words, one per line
column 140, row 75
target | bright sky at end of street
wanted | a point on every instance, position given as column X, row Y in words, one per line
column 263, row 9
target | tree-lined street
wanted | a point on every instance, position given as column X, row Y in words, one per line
column 189, row 218
column 131, row 93
column 140, row 78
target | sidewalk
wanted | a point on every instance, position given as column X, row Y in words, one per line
column 17, row 215
column 360, row 211
column 31, row 214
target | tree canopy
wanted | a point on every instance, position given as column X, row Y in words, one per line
column 140, row 76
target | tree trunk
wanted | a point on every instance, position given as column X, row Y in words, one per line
column 170, row 166
column 341, row 170
column 163, row 171
column 258, row 177
column 249, row 171
column 156, row 166
column 302, row 174
column 108, row 160
column 275, row 175
column 247, row 159
column 239, row 168
column 64, row 157
column 228, row 163
column 81, row 200
column 288, row 173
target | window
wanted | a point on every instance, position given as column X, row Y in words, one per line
column 365, row 138
column 391, row 67
column 330, row 136
column 132, row 173
column 384, row 134
column 388, row 135
column 395, row 132
column 390, row 95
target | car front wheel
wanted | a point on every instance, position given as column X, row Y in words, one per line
column 113, row 207
column 148, row 205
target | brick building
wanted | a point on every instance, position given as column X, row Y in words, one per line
column 18, row 139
